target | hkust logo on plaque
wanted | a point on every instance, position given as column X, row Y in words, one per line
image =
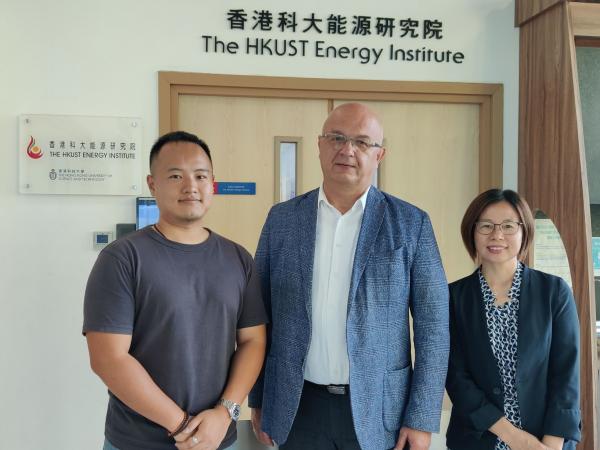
column 33, row 151
column 80, row 155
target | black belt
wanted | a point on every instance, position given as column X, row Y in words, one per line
column 336, row 389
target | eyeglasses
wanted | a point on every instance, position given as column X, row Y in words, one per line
column 337, row 141
column 507, row 227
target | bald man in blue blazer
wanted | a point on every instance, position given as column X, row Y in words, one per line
column 341, row 267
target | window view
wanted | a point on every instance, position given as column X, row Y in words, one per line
column 588, row 67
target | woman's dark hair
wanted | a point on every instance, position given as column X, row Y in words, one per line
column 487, row 198
column 177, row 136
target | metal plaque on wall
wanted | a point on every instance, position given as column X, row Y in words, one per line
column 80, row 155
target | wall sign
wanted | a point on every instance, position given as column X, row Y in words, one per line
column 401, row 39
column 234, row 188
column 80, row 155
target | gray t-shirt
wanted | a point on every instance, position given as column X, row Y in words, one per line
column 182, row 305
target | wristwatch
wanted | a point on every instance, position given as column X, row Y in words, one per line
column 232, row 408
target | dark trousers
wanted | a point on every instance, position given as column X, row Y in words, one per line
column 323, row 422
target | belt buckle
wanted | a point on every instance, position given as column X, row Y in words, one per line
column 336, row 390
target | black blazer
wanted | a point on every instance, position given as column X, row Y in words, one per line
column 547, row 376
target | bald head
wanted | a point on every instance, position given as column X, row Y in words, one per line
column 348, row 166
column 354, row 116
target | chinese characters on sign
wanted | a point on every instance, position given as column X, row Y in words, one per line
column 122, row 147
column 79, row 155
column 265, row 20
column 400, row 31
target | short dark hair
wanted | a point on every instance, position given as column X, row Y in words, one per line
column 177, row 136
column 487, row 198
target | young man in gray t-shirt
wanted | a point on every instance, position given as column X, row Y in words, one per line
column 173, row 316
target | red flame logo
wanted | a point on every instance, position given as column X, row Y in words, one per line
column 33, row 151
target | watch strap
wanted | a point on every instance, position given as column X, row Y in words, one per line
column 232, row 407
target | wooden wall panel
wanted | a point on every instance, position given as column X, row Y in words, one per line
column 587, row 42
column 526, row 10
column 552, row 172
column 584, row 19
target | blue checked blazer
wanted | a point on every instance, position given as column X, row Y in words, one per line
column 396, row 268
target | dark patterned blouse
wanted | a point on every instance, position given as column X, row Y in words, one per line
column 503, row 332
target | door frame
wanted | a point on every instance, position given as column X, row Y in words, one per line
column 489, row 98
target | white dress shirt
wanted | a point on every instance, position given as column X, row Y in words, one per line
column 336, row 237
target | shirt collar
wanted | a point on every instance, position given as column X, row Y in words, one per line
column 360, row 203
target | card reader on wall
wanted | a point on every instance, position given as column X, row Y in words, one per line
column 102, row 239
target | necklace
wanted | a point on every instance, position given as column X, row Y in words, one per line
column 158, row 231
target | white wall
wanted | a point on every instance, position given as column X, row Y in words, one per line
column 101, row 58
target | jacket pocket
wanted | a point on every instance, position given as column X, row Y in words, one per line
column 396, row 387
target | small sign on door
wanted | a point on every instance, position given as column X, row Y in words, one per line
column 234, row 188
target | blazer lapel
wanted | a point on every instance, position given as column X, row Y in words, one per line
column 479, row 324
column 369, row 229
column 526, row 343
column 307, row 227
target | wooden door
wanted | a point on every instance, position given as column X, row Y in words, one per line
column 241, row 133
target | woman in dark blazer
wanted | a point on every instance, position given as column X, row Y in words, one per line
column 513, row 374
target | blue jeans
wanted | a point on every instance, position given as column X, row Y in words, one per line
column 108, row 446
